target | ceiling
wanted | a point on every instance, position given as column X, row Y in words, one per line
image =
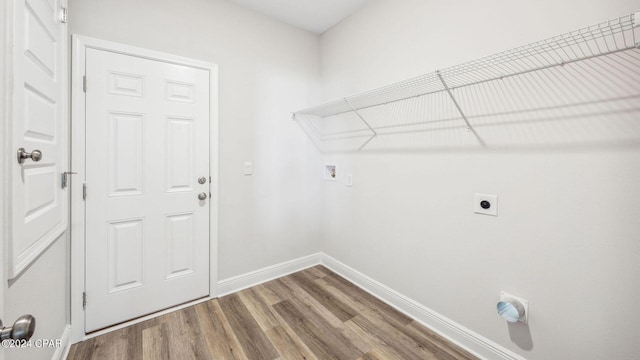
column 316, row 16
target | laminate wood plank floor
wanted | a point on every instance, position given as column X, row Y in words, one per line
column 313, row 314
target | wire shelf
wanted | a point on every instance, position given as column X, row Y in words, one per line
column 591, row 74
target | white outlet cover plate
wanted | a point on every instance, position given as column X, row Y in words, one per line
column 525, row 304
column 492, row 199
column 349, row 180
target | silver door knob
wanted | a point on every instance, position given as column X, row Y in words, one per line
column 202, row 180
column 202, row 196
column 35, row 155
column 22, row 329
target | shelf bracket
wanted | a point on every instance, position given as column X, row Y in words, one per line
column 364, row 121
column 464, row 117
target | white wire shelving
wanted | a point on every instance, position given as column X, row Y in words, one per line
column 582, row 86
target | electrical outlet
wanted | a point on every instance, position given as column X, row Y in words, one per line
column 486, row 204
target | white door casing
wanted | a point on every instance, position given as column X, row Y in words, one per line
column 38, row 115
column 147, row 144
column 80, row 46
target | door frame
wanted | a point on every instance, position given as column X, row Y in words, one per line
column 6, row 33
column 80, row 44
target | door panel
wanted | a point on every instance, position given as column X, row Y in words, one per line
column 124, row 153
column 180, row 154
column 125, row 258
column 180, row 240
column 39, row 206
column 147, row 233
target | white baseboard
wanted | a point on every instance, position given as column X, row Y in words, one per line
column 452, row 331
column 244, row 281
column 62, row 352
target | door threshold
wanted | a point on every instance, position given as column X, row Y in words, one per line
column 138, row 320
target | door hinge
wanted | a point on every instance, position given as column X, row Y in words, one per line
column 84, row 191
column 65, row 178
column 209, row 178
column 64, row 15
column 84, row 83
column 84, row 300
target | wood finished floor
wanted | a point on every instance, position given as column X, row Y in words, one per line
column 312, row 314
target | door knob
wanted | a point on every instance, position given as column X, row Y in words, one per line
column 202, row 196
column 22, row 329
column 202, row 180
column 35, row 155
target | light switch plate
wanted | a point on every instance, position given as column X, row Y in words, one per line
column 248, row 168
column 350, row 180
column 487, row 200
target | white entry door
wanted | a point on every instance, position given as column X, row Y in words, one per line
column 147, row 178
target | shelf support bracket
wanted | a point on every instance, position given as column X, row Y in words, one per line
column 464, row 117
column 364, row 121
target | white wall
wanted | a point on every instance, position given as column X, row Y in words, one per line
column 567, row 233
column 267, row 69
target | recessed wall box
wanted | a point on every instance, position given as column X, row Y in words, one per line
column 330, row 172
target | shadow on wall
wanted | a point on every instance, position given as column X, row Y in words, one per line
column 520, row 335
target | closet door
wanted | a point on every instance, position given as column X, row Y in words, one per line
column 38, row 114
